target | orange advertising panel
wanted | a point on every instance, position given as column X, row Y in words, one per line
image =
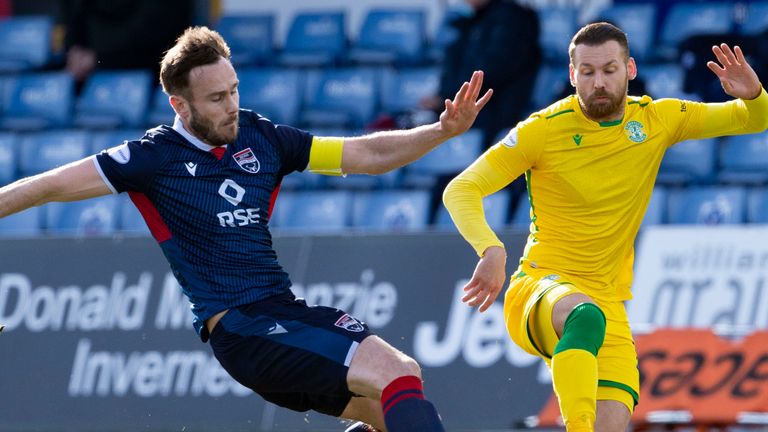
column 697, row 374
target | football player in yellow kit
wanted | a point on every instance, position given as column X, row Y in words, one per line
column 590, row 161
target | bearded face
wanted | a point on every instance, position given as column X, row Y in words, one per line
column 601, row 76
column 603, row 103
column 214, row 134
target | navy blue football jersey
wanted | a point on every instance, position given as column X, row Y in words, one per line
column 210, row 215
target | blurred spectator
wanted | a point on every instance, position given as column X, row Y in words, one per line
column 121, row 34
column 696, row 50
column 500, row 37
column 760, row 62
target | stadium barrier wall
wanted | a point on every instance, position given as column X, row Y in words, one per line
column 98, row 335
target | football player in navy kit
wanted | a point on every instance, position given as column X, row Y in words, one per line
column 206, row 186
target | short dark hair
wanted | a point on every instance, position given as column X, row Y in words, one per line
column 597, row 34
column 197, row 46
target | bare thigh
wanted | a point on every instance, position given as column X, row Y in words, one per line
column 374, row 365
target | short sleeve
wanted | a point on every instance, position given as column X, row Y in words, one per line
column 523, row 144
column 293, row 145
column 130, row 166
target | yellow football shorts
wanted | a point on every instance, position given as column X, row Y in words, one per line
column 528, row 305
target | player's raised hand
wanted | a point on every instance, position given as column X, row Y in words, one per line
column 460, row 113
column 736, row 75
column 487, row 280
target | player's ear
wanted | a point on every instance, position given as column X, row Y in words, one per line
column 572, row 75
column 180, row 105
column 631, row 68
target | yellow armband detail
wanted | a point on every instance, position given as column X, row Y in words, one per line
column 325, row 155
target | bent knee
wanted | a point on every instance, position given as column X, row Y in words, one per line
column 376, row 364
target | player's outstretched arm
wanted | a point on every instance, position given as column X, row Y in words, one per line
column 736, row 75
column 72, row 182
column 384, row 151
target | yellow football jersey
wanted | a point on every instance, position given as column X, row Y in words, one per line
column 589, row 183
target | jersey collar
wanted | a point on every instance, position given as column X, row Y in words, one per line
column 178, row 126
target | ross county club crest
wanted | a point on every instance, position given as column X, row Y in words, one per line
column 350, row 324
column 247, row 160
column 635, row 131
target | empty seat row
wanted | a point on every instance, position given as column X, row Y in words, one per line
column 315, row 38
column 388, row 210
column 319, row 38
column 651, row 35
column 100, row 216
column 708, row 205
column 740, row 160
column 334, row 97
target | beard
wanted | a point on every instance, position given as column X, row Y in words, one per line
column 205, row 129
column 602, row 109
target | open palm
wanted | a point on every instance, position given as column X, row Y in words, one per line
column 736, row 75
column 460, row 113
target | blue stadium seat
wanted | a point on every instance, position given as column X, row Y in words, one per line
column 755, row 18
column 341, row 98
column 9, row 155
column 41, row 151
column 744, row 159
column 403, row 89
column 757, row 206
column 558, row 25
column 273, row 93
column 250, row 38
column 160, row 110
column 394, row 210
column 316, row 211
column 450, row 157
column 637, row 20
column 664, row 81
column 23, row 224
column 315, row 39
column 26, row 43
column 708, row 205
column 391, row 36
column 37, row 101
column 495, row 207
column 92, row 217
column 656, row 212
column 521, row 215
column 303, row 180
column 688, row 19
column 101, row 140
column 691, row 161
column 551, row 82
column 114, row 99
column 130, row 220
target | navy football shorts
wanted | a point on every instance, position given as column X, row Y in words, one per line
column 293, row 355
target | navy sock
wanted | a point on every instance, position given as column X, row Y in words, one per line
column 405, row 408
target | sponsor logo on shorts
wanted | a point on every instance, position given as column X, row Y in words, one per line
column 350, row 324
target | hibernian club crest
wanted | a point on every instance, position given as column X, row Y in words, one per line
column 635, row 132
